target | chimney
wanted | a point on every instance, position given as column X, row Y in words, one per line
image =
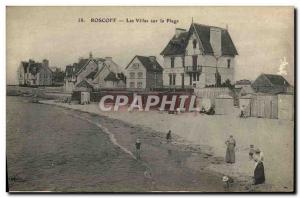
column 108, row 58
column 31, row 61
column 178, row 31
column 152, row 58
column 46, row 63
column 215, row 41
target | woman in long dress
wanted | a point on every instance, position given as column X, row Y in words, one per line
column 259, row 170
column 230, row 151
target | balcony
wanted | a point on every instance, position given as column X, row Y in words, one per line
column 193, row 69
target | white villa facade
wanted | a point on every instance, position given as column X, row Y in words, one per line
column 203, row 56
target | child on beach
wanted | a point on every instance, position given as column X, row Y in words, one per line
column 169, row 137
column 138, row 149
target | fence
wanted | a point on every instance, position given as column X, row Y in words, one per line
column 212, row 93
column 264, row 106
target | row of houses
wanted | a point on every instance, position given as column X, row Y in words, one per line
column 32, row 73
column 200, row 58
column 195, row 58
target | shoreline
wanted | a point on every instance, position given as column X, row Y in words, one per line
column 178, row 144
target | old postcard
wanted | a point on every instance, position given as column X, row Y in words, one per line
column 150, row 99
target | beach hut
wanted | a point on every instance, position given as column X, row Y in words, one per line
column 286, row 107
column 264, row 106
column 224, row 105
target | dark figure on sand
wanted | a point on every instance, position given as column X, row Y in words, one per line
column 138, row 149
column 169, row 137
column 230, row 151
column 259, row 170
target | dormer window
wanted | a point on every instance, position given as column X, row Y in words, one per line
column 194, row 43
column 228, row 63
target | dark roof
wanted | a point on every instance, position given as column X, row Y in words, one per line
column 203, row 33
column 111, row 77
column 34, row 68
column 84, row 83
column 69, row 70
column 81, row 63
column 177, row 45
column 270, row 83
column 92, row 74
column 78, row 66
column 149, row 64
column 277, row 79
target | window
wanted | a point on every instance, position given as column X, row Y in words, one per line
column 194, row 76
column 140, row 85
column 195, row 60
column 172, row 62
column 135, row 65
column 182, row 80
column 228, row 63
column 132, row 75
column 131, row 85
column 140, row 75
column 194, row 43
column 174, row 79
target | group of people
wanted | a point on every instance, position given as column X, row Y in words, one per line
column 255, row 155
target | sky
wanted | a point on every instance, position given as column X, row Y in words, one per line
column 263, row 36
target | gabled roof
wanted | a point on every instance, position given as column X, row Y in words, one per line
column 92, row 74
column 270, row 83
column 85, row 83
column 148, row 63
column 177, row 46
column 277, row 79
column 80, row 65
column 111, row 77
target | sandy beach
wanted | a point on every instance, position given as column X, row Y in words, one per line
column 211, row 132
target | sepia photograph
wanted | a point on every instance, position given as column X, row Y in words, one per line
column 150, row 99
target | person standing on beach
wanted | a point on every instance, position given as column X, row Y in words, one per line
column 138, row 149
column 230, row 151
column 169, row 137
column 259, row 170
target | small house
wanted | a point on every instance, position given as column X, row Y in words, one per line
column 144, row 72
column 271, row 83
column 31, row 73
